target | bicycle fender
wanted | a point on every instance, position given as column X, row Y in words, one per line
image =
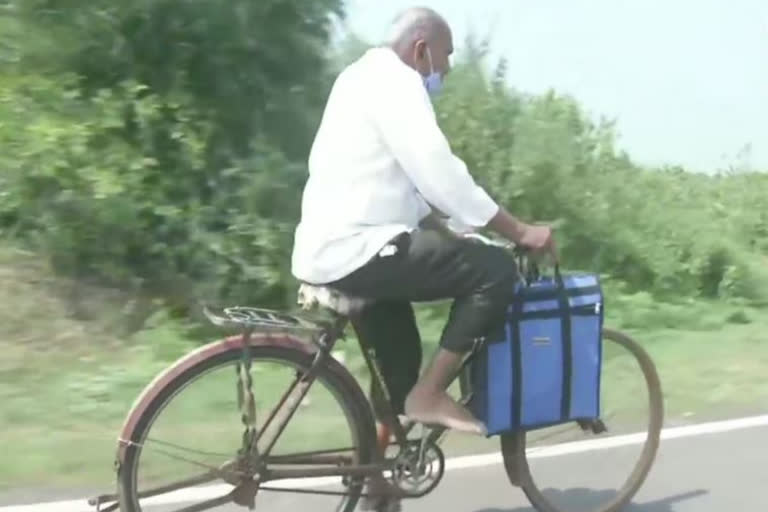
column 156, row 386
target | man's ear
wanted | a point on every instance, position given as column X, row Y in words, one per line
column 420, row 50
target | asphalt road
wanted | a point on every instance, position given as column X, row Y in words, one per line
column 703, row 472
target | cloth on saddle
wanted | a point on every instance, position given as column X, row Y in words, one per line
column 313, row 296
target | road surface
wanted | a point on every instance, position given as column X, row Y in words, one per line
column 708, row 468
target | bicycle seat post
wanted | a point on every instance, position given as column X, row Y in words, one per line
column 333, row 332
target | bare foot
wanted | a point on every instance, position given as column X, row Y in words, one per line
column 439, row 408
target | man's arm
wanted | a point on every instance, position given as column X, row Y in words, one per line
column 508, row 226
column 407, row 124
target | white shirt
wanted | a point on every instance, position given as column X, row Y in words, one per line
column 378, row 161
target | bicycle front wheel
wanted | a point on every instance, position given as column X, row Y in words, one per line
column 192, row 429
column 627, row 393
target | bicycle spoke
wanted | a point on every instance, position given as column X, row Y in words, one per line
column 215, row 502
column 191, row 450
column 328, row 457
column 184, row 459
column 181, row 484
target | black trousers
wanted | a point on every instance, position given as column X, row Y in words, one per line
column 425, row 266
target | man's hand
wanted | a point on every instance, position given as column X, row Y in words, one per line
column 537, row 238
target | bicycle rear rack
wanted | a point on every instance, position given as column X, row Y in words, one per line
column 253, row 319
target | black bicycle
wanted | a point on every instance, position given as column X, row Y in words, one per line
column 303, row 344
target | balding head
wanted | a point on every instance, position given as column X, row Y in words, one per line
column 420, row 35
column 414, row 24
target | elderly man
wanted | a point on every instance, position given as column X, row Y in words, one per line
column 378, row 168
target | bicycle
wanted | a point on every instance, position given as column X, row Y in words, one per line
column 305, row 344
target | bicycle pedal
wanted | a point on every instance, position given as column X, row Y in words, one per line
column 408, row 423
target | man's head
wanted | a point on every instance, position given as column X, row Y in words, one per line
column 423, row 40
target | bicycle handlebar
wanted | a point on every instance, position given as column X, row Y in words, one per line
column 529, row 268
column 518, row 250
column 486, row 240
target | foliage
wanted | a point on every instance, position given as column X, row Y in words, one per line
column 160, row 146
column 662, row 230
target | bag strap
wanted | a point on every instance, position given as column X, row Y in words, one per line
column 566, row 334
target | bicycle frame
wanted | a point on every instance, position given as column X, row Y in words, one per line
column 326, row 342
column 328, row 337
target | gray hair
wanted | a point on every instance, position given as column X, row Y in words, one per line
column 413, row 24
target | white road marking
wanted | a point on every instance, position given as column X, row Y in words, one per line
column 467, row 462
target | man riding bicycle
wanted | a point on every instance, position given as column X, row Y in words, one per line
column 379, row 169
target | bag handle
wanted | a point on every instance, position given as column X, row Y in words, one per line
column 532, row 272
column 559, row 276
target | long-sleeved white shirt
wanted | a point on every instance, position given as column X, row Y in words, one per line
column 378, row 161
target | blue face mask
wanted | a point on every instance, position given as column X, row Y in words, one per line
column 434, row 81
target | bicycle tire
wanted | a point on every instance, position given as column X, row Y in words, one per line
column 516, row 462
column 334, row 376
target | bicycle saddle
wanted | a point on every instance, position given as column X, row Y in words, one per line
column 313, row 296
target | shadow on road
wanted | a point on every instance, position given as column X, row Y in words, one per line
column 582, row 500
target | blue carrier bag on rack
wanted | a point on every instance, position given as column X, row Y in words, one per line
column 542, row 367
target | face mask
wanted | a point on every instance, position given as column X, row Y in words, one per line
column 434, row 81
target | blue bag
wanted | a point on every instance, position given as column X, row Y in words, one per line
column 543, row 367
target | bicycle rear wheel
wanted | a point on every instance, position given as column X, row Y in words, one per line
column 139, row 489
column 516, row 457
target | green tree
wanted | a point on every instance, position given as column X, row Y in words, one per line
column 161, row 144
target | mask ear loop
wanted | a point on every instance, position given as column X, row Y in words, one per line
column 429, row 58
